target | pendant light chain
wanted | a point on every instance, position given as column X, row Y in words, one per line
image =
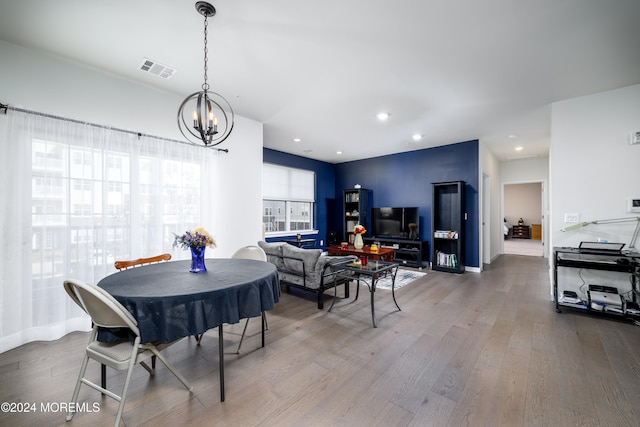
column 205, row 85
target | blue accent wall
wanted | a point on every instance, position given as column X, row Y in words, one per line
column 402, row 179
column 405, row 179
column 325, row 187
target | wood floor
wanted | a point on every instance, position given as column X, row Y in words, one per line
column 466, row 350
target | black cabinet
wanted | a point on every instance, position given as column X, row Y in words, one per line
column 356, row 211
column 447, row 227
column 407, row 252
column 521, row 232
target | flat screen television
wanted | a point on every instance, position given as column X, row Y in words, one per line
column 402, row 223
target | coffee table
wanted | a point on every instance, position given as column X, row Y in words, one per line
column 382, row 254
column 371, row 271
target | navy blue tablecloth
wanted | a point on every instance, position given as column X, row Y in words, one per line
column 169, row 302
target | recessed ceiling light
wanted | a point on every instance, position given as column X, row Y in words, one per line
column 382, row 116
column 296, row 140
column 417, row 137
column 519, row 148
column 338, row 152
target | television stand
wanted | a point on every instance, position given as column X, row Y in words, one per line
column 407, row 252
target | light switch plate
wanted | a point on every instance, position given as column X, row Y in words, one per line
column 571, row 218
column 633, row 204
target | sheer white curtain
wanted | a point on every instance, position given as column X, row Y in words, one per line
column 77, row 197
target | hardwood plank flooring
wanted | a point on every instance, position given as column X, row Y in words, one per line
column 466, row 350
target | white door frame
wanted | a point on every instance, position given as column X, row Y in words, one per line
column 543, row 192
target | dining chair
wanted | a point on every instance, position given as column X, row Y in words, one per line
column 123, row 265
column 107, row 312
column 258, row 254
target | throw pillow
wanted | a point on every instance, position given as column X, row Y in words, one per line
column 274, row 252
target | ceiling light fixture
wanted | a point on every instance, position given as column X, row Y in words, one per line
column 519, row 148
column 205, row 117
column 296, row 140
column 382, row 116
column 417, row 137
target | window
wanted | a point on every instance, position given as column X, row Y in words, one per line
column 82, row 216
column 288, row 199
column 82, row 196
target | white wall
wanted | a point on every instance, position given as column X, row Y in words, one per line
column 39, row 82
column 490, row 167
column 523, row 201
column 593, row 168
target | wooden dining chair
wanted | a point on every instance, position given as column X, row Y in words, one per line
column 123, row 265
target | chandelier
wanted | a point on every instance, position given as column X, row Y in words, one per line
column 205, row 117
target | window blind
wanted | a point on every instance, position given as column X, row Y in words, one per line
column 283, row 183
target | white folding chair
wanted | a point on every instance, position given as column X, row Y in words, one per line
column 107, row 312
column 256, row 253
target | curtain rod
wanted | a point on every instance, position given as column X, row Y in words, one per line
column 6, row 107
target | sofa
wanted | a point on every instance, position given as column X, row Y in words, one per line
column 307, row 269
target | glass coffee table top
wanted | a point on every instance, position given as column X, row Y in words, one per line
column 371, row 267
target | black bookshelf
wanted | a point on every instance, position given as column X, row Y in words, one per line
column 447, row 227
column 356, row 211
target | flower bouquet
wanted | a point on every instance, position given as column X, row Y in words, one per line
column 197, row 240
column 359, row 229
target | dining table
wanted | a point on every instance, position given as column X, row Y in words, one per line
column 169, row 302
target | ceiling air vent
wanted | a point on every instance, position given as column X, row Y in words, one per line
column 156, row 68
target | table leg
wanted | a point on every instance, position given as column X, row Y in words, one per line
column 393, row 288
column 103, row 376
column 263, row 327
column 373, row 291
column 335, row 290
column 221, row 363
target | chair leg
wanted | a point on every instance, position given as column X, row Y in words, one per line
column 173, row 370
column 74, row 398
column 244, row 331
column 123, row 397
column 265, row 326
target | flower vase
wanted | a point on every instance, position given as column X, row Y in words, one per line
column 197, row 259
column 357, row 242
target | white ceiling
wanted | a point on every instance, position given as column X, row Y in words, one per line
column 451, row 70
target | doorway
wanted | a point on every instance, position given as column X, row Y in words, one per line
column 523, row 211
